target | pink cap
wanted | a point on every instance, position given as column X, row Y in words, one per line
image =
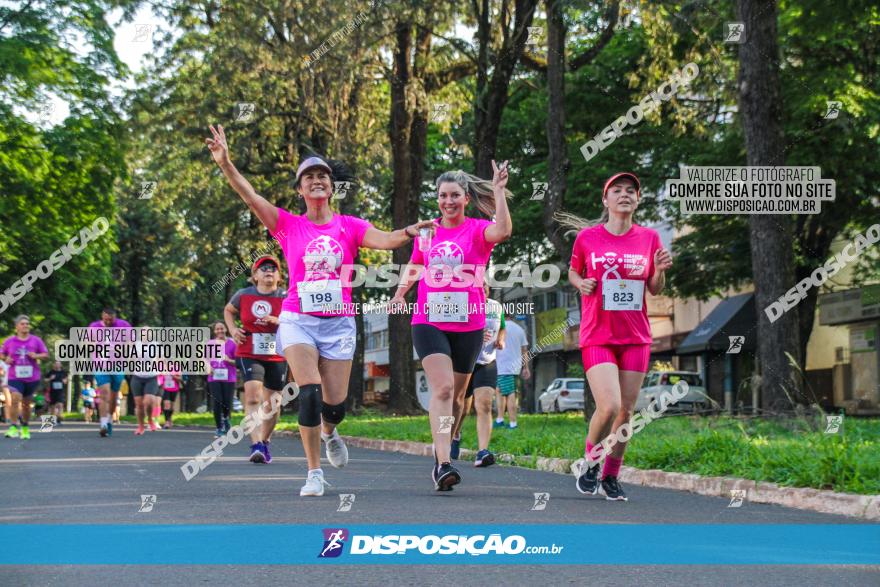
column 617, row 176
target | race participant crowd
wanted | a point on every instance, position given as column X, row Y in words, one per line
column 304, row 330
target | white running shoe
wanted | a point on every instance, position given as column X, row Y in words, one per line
column 337, row 452
column 314, row 484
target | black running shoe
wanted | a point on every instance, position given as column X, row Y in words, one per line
column 455, row 448
column 612, row 489
column 484, row 459
column 445, row 476
column 588, row 483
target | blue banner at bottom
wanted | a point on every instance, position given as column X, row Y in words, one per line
column 631, row 544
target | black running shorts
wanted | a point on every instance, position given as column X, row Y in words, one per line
column 462, row 347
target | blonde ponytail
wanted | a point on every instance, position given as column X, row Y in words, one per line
column 575, row 224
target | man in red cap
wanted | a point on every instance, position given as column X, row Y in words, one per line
column 263, row 369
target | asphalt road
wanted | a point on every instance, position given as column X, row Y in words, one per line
column 71, row 476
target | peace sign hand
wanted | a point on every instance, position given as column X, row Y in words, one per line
column 218, row 147
column 499, row 175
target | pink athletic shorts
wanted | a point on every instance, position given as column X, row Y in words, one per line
column 627, row 357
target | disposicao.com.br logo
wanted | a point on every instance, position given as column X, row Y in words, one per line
column 430, row 544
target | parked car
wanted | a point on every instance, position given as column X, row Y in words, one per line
column 563, row 394
column 657, row 382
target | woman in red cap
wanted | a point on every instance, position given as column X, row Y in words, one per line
column 264, row 373
column 612, row 264
column 316, row 332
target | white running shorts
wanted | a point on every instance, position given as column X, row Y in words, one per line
column 335, row 338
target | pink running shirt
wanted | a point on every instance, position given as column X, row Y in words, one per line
column 317, row 252
column 229, row 348
column 173, row 384
column 21, row 364
column 457, row 256
column 605, row 257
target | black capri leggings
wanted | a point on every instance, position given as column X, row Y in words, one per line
column 462, row 347
column 221, row 393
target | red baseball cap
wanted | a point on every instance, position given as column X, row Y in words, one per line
column 616, row 176
column 266, row 259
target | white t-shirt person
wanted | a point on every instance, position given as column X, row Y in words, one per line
column 509, row 359
column 494, row 312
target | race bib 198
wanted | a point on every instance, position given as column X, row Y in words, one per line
column 264, row 343
column 447, row 306
column 622, row 294
column 319, row 296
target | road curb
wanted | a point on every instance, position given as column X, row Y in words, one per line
column 866, row 507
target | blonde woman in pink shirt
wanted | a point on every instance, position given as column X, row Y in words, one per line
column 613, row 262
column 450, row 313
column 316, row 332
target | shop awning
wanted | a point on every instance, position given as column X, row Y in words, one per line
column 734, row 316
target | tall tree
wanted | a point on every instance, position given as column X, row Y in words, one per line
column 554, row 70
column 57, row 178
column 760, row 106
column 413, row 79
column 501, row 59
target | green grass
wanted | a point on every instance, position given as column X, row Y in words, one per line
column 794, row 452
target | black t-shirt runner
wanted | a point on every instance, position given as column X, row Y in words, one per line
column 56, row 380
column 253, row 307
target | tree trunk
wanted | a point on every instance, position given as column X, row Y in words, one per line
column 492, row 92
column 557, row 157
column 411, row 85
column 558, row 163
column 771, row 236
column 404, row 211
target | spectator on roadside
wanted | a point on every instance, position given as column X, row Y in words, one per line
column 512, row 362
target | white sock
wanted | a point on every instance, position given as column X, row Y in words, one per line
column 104, row 420
column 499, row 419
column 513, row 424
column 329, row 436
column 321, row 471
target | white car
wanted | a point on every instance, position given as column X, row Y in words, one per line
column 657, row 382
column 564, row 394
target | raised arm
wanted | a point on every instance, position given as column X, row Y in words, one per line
column 379, row 239
column 501, row 230
column 266, row 212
